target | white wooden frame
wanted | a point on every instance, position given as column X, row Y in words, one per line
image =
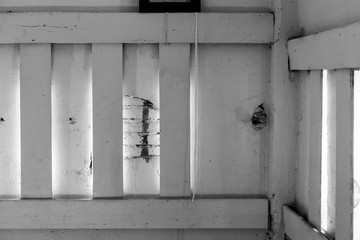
column 317, row 51
column 105, row 28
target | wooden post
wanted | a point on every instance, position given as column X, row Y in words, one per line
column 175, row 119
column 107, row 120
column 344, row 152
column 35, row 107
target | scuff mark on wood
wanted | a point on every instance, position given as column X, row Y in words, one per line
column 141, row 129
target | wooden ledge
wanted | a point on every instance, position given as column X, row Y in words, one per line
column 135, row 214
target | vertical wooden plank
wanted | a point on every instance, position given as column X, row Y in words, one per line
column 315, row 108
column 233, row 81
column 72, row 121
column 9, row 122
column 35, row 112
column 356, row 217
column 141, row 92
column 328, row 155
column 302, row 173
column 344, row 152
column 174, row 65
column 107, row 120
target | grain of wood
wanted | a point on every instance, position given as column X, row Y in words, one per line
column 35, row 105
column 107, row 62
column 174, row 67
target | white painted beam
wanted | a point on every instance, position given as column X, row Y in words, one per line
column 107, row 60
column 135, row 28
column 126, row 5
column 336, row 48
column 174, row 64
column 298, row 229
column 134, row 214
column 35, row 112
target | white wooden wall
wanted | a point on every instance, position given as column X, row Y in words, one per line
column 232, row 165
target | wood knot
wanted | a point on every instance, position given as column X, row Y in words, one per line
column 259, row 118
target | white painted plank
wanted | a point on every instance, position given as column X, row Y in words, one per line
column 317, row 51
column 124, row 5
column 283, row 125
column 10, row 165
column 174, row 65
column 135, row 214
column 107, row 120
column 221, row 28
column 344, row 152
column 302, row 173
column 35, row 111
column 72, row 121
column 328, row 153
column 233, row 82
column 315, row 119
column 144, row 28
column 141, row 81
column 298, row 229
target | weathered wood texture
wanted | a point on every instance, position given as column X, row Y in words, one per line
column 141, row 80
column 127, row 5
column 144, row 28
column 298, row 229
column 282, row 116
column 35, row 112
column 318, row 51
column 233, row 81
column 71, row 120
column 174, row 67
column 107, row 63
column 134, row 214
column 309, row 156
column 344, row 152
column 9, row 122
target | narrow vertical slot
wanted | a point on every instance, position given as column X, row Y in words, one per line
column 10, row 122
column 72, row 121
column 141, row 123
column 328, row 155
column 356, row 213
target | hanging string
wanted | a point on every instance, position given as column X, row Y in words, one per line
column 196, row 109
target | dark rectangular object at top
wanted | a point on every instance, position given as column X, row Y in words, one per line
column 164, row 6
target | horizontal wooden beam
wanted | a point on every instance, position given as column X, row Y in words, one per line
column 336, row 48
column 298, row 228
column 134, row 214
column 49, row 27
column 124, row 5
